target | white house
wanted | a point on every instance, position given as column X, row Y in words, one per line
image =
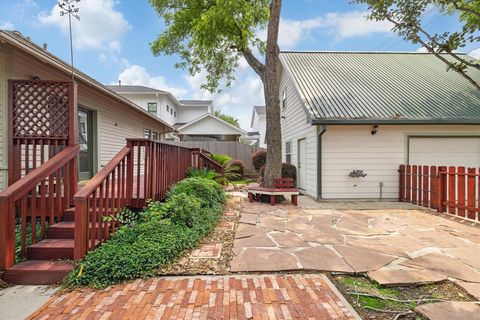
column 258, row 126
column 372, row 111
column 193, row 119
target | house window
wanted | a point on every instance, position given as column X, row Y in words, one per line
column 152, row 107
column 175, row 114
column 155, row 136
column 147, row 133
column 171, row 111
column 284, row 99
column 168, row 108
column 288, row 152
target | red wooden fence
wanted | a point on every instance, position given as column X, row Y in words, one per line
column 454, row 190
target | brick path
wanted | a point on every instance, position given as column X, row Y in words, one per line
column 209, row 297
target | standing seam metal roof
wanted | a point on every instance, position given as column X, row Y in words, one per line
column 383, row 86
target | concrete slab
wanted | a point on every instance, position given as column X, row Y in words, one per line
column 447, row 266
column 18, row 302
column 450, row 310
column 362, row 260
column 257, row 259
column 392, row 278
column 321, row 258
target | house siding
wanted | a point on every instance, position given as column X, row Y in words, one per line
column 346, row 148
column 295, row 127
column 3, row 116
column 114, row 121
column 189, row 113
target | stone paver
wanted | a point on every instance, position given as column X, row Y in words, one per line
column 207, row 251
column 389, row 277
column 358, row 237
column 450, row 310
column 471, row 287
column 233, row 297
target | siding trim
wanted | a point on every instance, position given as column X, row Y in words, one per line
column 323, row 129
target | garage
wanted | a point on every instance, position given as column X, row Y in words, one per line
column 445, row 151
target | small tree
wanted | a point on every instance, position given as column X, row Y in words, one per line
column 213, row 35
column 406, row 17
column 227, row 118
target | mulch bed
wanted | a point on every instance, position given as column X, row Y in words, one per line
column 187, row 265
column 445, row 290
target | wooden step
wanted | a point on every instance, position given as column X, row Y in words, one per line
column 36, row 272
column 69, row 214
column 51, row 249
column 66, row 230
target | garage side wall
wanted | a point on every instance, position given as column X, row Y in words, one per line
column 346, row 148
column 295, row 127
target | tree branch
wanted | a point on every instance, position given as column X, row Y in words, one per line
column 439, row 56
column 465, row 9
column 256, row 65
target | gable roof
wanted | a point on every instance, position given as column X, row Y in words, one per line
column 19, row 41
column 381, row 87
column 133, row 89
column 208, row 115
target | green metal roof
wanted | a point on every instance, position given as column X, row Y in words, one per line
column 377, row 87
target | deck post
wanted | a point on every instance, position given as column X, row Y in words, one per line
column 129, row 182
column 81, row 228
column 7, row 234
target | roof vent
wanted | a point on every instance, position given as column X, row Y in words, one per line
column 119, row 82
column 45, row 46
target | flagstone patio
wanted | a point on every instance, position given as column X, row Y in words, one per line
column 394, row 243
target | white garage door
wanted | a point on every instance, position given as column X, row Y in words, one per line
column 445, row 151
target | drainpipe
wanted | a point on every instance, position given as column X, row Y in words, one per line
column 323, row 129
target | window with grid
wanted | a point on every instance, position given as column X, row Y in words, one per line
column 152, row 107
column 168, row 108
column 284, row 99
column 147, row 133
column 155, row 136
column 288, row 152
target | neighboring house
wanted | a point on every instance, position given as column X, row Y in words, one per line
column 372, row 111
column 105, row 119
column 258, row 126
column 209, row 128
column 193, row 119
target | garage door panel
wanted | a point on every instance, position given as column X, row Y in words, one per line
column 455, row 151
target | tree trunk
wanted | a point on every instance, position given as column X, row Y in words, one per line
column 272, row 91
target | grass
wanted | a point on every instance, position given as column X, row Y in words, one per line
column 242, row 182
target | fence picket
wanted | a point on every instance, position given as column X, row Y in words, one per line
column 461, row 191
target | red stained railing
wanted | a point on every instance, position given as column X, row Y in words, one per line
column 142, row 170
column 454, row 190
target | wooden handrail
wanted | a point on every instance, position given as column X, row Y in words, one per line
column 25, row 184
column 95, row 182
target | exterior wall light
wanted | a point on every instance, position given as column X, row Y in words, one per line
column 374, row 130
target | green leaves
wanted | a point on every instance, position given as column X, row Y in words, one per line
column 168, row 229
column 227, row 118
column 210, row 34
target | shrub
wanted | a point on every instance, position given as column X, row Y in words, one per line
column 238, row 167
column 167, row 230
column 223, row 159
column 259, row 159
column 201, row 173
column 208, row 191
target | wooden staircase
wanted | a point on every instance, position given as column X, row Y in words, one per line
column 49, row 260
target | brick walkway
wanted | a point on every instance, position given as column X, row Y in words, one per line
column 209, row 297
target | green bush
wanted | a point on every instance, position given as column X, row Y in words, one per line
column 201, row 173
column 208, row 191
column 238, row 167
column 259, row 159
column 166, row 231
column 223, row 159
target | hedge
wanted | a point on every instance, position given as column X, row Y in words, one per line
column 165, row 232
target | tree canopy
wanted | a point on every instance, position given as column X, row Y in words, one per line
column 227, row 118
column 407, row 15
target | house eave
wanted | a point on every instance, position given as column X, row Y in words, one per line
column 395, row 121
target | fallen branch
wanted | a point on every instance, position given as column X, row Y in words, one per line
column 400, row 312
column 393, row 299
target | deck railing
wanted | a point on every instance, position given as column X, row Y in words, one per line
column 41, row 196
column 453, row 190
column 142, row 170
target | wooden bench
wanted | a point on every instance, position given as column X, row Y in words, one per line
column 282, row 187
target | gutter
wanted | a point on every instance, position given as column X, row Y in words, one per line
column 323, row 129
column 394, row 121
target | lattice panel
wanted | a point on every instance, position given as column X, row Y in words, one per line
column 40, row 109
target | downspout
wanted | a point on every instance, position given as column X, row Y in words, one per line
column 323, row 129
